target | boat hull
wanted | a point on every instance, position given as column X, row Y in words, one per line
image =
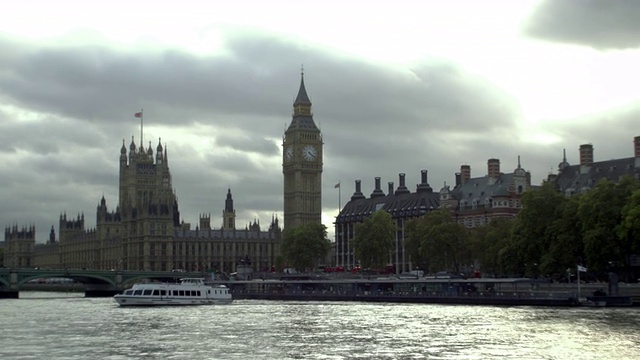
column 190, row 291
column 142, row 301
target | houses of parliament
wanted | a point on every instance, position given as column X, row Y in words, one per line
column 145, row 231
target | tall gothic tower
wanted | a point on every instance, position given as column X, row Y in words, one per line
column 302, row 165
column 148, row 207
column 229, row 213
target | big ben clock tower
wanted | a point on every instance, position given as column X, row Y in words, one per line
column 302, row 165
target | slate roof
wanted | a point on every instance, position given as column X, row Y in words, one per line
column 570, row 180
column 482, row 189
column 302, row 98
column 302, row 121
column 398, row 205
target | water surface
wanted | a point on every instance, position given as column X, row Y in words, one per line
column 43, row 325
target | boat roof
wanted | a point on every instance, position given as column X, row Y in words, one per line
column 407, row 280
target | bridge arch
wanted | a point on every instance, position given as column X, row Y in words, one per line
column 84, row 278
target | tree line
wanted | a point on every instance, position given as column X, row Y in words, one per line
column 599, row 229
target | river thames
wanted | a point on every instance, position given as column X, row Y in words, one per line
column 42, row 325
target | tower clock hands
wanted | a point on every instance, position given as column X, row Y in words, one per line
column 309, row 152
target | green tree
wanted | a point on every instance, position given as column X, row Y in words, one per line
column 280, row 263
column 448, row 244
column 437, row 242
column 606, row 240
column 305, row 246
column 566, row 248
column 374, row 240
column 488, row 242
column 414, row 232
column 629, row 229
column 532, row 234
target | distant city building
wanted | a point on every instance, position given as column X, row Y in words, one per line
column 472, row 202
column 145, row 231
column 580, row 178
column 19, row 245
column 302, row 165
column 401, row 203
column 476, row 201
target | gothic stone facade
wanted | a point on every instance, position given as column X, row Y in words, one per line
column 144, row 232
column 302, row 165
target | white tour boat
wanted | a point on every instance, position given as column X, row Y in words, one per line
column 190, row 291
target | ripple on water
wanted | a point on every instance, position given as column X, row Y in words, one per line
column 61, row 327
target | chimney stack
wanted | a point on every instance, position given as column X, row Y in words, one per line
column 402, row 188
column 377, row 192
column 358, row 194
column 586, row 155
column 424, row 185
column 390, row 187
column 493, row 168
column 465, row 174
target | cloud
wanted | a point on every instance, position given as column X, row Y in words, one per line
column 222, row 118
column 603, row 25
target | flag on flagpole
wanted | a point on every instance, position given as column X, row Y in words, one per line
column 337, row 186
column 582, row 268
column 138, row 114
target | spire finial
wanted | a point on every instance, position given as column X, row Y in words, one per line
column 302, row 98
column 302, row 70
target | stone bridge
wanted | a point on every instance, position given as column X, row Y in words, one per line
column 98, row 283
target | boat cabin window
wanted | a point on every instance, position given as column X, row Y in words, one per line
column 181, row 293
column 128, row 292
column 156, row 292
column 137, row 292
column 163, row 292
column 147, row 292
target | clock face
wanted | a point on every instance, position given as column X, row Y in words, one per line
column 310, row 153
column 288, row 153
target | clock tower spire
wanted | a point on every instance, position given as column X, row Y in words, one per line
column 302, row 165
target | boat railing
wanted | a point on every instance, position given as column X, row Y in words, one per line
column 434, row 294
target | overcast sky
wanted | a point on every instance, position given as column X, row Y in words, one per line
column 396, row 87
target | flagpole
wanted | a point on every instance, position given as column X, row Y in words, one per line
column 141, row 127
column 578, row 283
column 578, row 279
column 339, row 197
column 337, row 226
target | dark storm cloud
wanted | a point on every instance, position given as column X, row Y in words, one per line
column 376, row 121
column 595, row 23
column 612, row 137
column 246, row 143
